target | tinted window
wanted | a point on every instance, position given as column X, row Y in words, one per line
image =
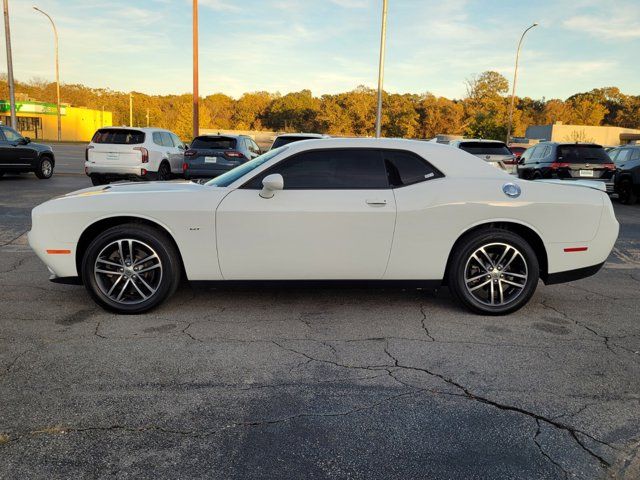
column 635, row 153
column 405, row 168
column 119, row 136
column 526, row 156
column 330, row 170
column 583, row 154
column 613, row 154
column 156, row 138
column 234, row 174
column 176, row 141
column 485, row 148
column 11, row 135
column 280, row 141
column 214, row 143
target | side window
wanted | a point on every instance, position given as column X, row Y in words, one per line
column 166, row 139
column 11, row 135
column 176, row 140
column 342, row 169
column 256, row 148
column 526, row 155
column 613, row 154
column 3, row 139
column 537, row 152
column 157, row 138
column 635, row 154
column 623, row 155
column 406, row 168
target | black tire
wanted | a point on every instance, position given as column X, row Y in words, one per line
column 536, row 176
column 626, row 194
column 495, row 277
column 165, row 279
column 44, row 170
column 98, row 180
column 164, row 172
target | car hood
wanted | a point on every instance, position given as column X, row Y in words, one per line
column 139, row 187
column 39, row 147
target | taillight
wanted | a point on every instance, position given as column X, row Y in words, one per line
column 609, row 166
column 185, row 167
column 557, row 165
column 190, row 153
column 86, row 153
column 143, row 172
column 234, row 154
column 145, row 154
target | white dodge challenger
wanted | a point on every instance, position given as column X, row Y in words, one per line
column 375, row 211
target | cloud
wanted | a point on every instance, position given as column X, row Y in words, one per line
column 219, row 5
column 351, row 3
column 613, row 28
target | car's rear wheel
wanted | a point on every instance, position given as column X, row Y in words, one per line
column 131, row 268
column 626, row 194
column 493, row 272
column 164, row 172
column 98, row 180
column 44, row 169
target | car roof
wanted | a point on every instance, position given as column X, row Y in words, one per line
column 221, row 135
column 310, row 135
column 578, row 144
column 452, row 161
column 140, row 129
column 479, row 140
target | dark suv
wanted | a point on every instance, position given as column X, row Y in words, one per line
column 211, row 155
column 567, row 161
column 627, row 178
column 18, row 154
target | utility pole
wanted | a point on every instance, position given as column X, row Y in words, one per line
column 196, row 95
column 130, row 110
column 515, row 78
column 55, row 34
column 383, row 39
column 12, row 90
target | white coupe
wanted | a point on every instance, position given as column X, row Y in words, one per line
column 377, row 211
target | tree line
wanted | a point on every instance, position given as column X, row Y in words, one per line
column 482, row 112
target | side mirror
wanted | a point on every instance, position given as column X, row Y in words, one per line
column 270, row 184
column 182, row 147
column 24, row 141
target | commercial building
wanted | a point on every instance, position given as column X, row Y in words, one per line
column 38, row 120
column 605, row 136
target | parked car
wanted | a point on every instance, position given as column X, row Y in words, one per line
column 117, row 153
column 19, row 154
column 287, row 138
column 627, row 176
column 494, row 152
column 211, row 155
column 382, row 211
column 567, row 161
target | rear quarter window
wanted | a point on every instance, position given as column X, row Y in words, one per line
column 118, row 136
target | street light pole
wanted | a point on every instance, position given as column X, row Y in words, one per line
column 383, row 39
column 12, row 91
column 55, row 34
column 515, row 79
column 196, row 97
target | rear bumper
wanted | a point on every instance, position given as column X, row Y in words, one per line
column 109, row 172
column 572, row 275
column 206, row 172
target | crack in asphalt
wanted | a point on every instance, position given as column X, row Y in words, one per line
column 580, row 324
column 200, row 434
column 16, row 265
column 424, row 325
column 96, row 331
column 9, row 367
column 573, row 432
column 545, row 454
column 184, row 331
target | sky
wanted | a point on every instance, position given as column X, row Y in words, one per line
column 330, row 46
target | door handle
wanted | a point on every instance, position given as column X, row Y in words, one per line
column 376, row 203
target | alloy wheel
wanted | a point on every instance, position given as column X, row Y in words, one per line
column 496, row 274
column 128, row 271
column 46, row 168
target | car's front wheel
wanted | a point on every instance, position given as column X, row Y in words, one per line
column 131, row 268
column 493, row 272
column 44, row 169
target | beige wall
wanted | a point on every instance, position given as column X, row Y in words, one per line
column 606, row 136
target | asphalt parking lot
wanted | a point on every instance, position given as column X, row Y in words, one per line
column 315, row 383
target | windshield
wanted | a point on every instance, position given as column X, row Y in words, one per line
column 232, row 175
column 485, row 148
column 583, row 154
column 213, row 143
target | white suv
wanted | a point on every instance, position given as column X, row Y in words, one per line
column 117, row 153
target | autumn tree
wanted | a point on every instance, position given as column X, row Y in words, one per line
column 438, row 115
column 296, row 111
column 486, row 106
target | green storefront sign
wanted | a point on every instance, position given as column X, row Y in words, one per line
column 39, row 108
